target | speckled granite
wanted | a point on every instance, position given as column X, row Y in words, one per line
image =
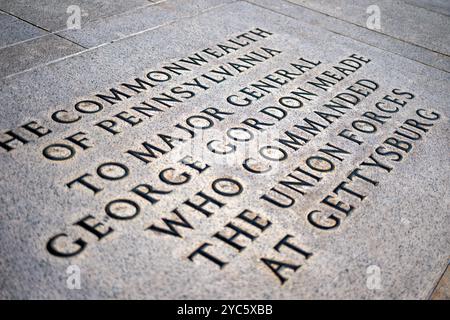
column 442, row 291
column 52, row 14
column 15, row 30
column 395, row 244
column 399, row 19
column 112, row 28
column 360, row 32
column 37, row 51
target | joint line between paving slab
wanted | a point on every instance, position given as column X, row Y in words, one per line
column 347, row 36
column 38, row 37
column 167, row 23
column 199, row 13
column 150, row 4
column 60, row 36
column 427, row 9
column 56, row 32
column 119, row 39
column 438, row 282
column 21, row 19
column 30, row 23
column 385, row 34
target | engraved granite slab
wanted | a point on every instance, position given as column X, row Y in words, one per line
column 237, row 154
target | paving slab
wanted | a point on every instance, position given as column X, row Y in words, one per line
column 237, row 154
column 439, row 6
column 360, row 33
column 15, row 30
column 112, row 28
column 33, row 53
column 53, row 15
column 398, row 19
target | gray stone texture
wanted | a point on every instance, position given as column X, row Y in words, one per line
column 439, row 6
column 110, row 22
column 112, row 28
column 398, row 19
column 14, row 30
column 52, row 14
column 361, row 33
column 402, row 226
column 442, row 291
column 38, row 51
